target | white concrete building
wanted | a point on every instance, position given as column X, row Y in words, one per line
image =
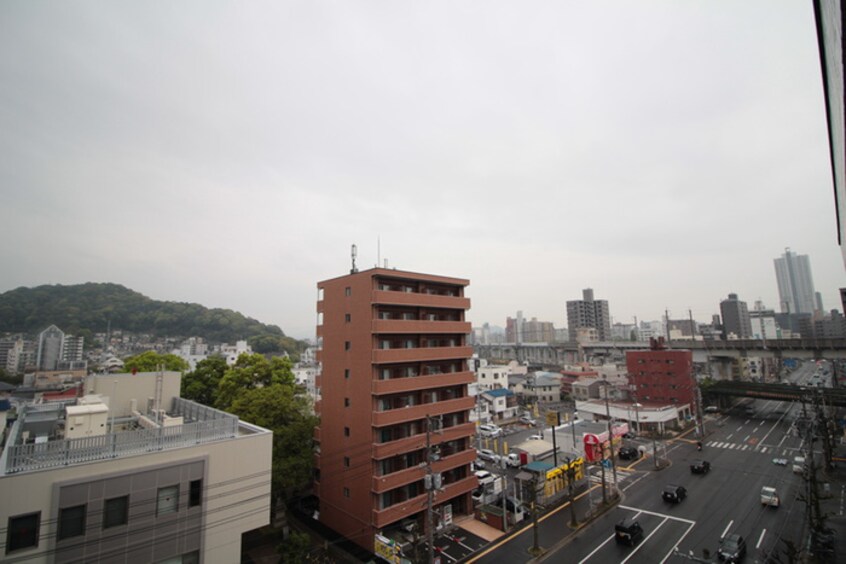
column 148, row 480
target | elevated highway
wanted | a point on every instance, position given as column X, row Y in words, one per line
column 778, row 392
column 560, row 354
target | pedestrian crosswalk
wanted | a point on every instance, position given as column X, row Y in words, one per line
column 752, row 448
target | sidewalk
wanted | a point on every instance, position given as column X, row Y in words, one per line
column 483, row 530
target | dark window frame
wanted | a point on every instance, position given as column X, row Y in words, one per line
column 115, row 516
column 18, row 536
column 71, row 524
column 195, row 493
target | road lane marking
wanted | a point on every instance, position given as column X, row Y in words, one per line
column 755, row 430
column 747, row 438
column 595, row 550
column 739, row 428
column 729, row 437
column 760, row 539
column 689, row 527
column 641, row 545
column 727, row 529
column 639, row 511
column 747, row 422
column 745, row 447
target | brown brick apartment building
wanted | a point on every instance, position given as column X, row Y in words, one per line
column 661, row 375
column 394, row 352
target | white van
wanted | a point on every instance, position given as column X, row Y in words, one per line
column 798, row 464
column 769, row 496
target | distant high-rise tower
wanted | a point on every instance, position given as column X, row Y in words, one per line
column 736, row 319
column 795, row 284
column 51, row 343
column 589, row 313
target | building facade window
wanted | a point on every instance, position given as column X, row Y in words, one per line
column 167, row 500
column 195, row 493
column 346, row 373
column 346, row 402
column 71, row 522
column 116, row 511
column 346, row 345
column 346, row 431
column 346, row 492
column 347, row 318
column 348, row 291
column 346, row 462
column 23, row 532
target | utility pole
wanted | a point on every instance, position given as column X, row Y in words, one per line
column 504, row 506
column 571, row 477
column 692, row 325
column 535, row 547
column 555, row 416
column 431, row 482
column 667, row 324
column 610, row 435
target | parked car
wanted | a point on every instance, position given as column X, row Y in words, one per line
column 769, row 496
column 526, row 420
column 780, row 461
column 798, row 464
column 487, row 454
column 629, row 435
column 513, row 460
column 732, row 548
column 484, row 477
column 700, row 467
column 673, row 493
column 535, row 438
column 489, row 430
column 477, row 464
column 628, row 533
column 628, row 453
column 712, row 409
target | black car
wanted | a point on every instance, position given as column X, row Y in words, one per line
column 628, row 533
column 732, row 548
column 628, row 453
column 700, row 467
column 674, row 493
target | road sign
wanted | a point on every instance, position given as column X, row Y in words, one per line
column 552, row 418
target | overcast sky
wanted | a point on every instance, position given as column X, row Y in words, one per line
column 229, row 153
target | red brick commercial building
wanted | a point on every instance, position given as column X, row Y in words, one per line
column 394, row 353
column 663, row 376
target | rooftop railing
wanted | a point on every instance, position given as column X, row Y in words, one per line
column 204, row 425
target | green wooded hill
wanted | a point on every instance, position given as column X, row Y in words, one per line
column 84, row 309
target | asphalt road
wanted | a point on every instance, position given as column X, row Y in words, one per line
column 740, row 449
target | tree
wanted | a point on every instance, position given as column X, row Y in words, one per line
column 151, row 361
column 252, row 371
column 201, row 385
column 284, row 408
column 295, row 548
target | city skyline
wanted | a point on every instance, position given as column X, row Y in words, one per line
column 231, row 159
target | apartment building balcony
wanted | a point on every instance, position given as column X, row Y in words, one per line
column 412, row 383
column 420, row 354
column 393, row 480
column 388, row 297
column 416, row 442
column 415, row 412
column 317, row 434
column 421, row 326
column 384, row 517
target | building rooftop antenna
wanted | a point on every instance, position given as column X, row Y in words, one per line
column 353, row 252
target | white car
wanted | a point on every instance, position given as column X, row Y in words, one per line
column 484, row 477
column 489, row 430
column 526, row 420
column 535, row 437
column 487, row 454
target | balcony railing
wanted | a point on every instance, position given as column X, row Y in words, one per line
column 387, row 326
column 409, row 475
column 384, row 517
column 388, row 297
column 420, row 354
column 413, row 383
column 416, row 442
column 415, row 412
